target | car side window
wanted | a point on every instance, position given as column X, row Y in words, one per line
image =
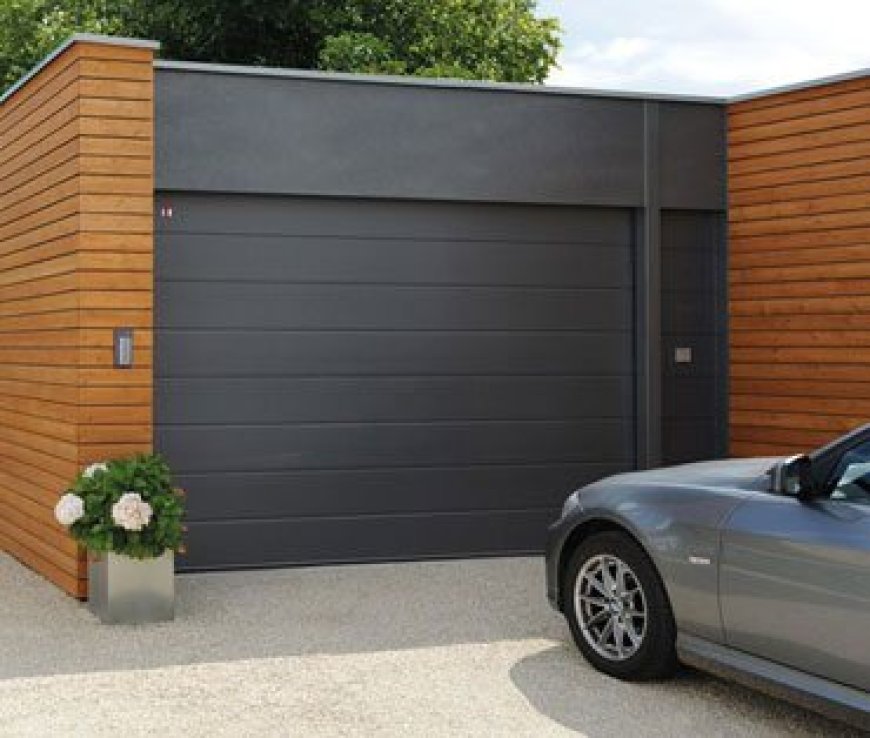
column 851, row 478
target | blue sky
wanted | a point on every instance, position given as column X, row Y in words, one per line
column 710, row 47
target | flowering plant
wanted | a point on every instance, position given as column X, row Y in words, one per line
column 126, row 506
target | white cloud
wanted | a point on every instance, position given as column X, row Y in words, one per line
column 707, row 46
column 621, row 50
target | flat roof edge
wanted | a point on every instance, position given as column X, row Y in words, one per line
column 410, row 81
column 806, row 85
column 89, row 38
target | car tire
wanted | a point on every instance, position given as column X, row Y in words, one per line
column 637, row 648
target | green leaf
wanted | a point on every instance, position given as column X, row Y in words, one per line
column 483, row 39
column 150, row 477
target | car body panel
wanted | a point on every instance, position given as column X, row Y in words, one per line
column 677, row 522
column 795, row 585
column 771, row 585
column 829, row 698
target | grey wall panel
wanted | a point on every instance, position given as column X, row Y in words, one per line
column 402, row 362
column 691, row 264
column 275, row 400
column 232, row 133
column 689, row 272
column 684, row 310
column 692, row 163
column 688, row 439
column 688, row 398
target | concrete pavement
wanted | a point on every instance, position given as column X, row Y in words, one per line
column 440, row 648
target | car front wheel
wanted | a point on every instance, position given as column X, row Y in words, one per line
column 618, row 610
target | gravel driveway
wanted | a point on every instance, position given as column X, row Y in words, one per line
column 442, row 648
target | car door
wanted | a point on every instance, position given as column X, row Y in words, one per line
column 795, row 576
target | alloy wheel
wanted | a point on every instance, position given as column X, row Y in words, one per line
column 611, row 607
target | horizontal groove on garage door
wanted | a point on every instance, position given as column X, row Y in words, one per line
column 342, row 380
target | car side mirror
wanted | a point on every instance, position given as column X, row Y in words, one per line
column 794, row 476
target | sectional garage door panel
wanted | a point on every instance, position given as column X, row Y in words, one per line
column 324, row 218
column 344, row 539
column 224, row 401
column 413, row 308
column 341, row 380
column 277, row 353
column 429, row 261
column 391, row 490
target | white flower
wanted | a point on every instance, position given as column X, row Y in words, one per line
column 93, row 469
column 131, row 512
column 69, row 509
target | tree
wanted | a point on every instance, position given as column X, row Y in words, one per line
column 31, row 29
column 473, row 39
column 499, row 40
column 280, row 33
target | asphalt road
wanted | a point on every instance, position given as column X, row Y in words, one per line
column 425, row 649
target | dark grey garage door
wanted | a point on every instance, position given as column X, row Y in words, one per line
column 347, row 380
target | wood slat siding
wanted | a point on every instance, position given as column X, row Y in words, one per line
column 799, row 267
column 76, row 261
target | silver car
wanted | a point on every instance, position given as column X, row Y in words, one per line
column 754, row 569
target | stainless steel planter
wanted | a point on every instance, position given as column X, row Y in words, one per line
column 125, row 590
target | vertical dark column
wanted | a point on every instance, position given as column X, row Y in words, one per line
column 648, row 299
column 722, row 353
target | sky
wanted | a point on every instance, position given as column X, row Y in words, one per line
column 707, row 47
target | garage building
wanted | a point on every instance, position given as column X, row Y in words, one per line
column 372, row 318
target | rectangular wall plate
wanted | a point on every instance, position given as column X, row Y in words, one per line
column 683, row 355
column 123, row 342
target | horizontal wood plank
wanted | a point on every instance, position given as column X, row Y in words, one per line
column 787, row 405
column 787, row 102
column 767, row 195
column 800, row 338
column 76, row 261
column 829, row 111
column 815, row 171
column 806, row 389
column 851, row 126
column 797, row 206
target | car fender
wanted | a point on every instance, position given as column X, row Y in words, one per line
column 678, row 527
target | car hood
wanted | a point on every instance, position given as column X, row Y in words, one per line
column 729, row 473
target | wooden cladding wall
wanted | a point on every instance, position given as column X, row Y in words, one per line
column 799, row 270
column 76, row 261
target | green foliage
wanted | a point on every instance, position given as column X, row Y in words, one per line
column 474, row 39
column 277, row 33
column 360, row 52
column 500, row 40
column 31, row 29
column 147, row 475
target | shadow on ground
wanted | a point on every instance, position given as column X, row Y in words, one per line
column 282, row 612
column 559, row 685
